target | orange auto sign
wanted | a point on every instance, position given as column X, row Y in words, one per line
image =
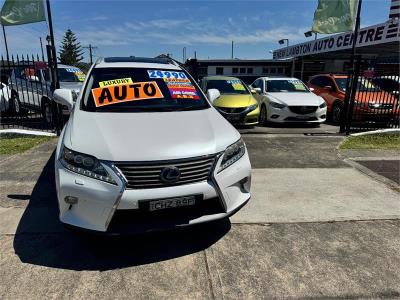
column 126, row 92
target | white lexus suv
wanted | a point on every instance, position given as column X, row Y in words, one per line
column 144, row 150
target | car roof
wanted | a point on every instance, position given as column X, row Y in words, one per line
column 136, row 62
column 219, row 77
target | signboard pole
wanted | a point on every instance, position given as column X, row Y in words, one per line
column 351, row 84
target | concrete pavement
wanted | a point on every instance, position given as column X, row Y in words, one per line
column 285, row 243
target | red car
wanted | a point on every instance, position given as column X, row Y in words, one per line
column 371, row 103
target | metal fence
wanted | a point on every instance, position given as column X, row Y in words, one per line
column 26, row 95
column 373, row 101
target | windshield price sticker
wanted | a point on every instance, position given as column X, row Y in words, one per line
column 166, row 74
column 237, row 85
column 73, row 70
column 109, row 95
column 115, row 82
column 181, row 88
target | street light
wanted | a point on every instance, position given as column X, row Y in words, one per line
column 310, row 33
column 282, row 41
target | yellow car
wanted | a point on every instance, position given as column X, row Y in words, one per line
column 236, row 102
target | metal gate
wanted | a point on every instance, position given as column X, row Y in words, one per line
column 26, row 95
column 373, row 100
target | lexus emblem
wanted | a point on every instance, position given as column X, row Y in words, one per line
column 170, row 174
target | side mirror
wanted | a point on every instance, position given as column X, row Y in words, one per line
column 64, row 97
column 311, row 89
column 33, row 78
column 213, row 94
column 328, row 88
column 256, row 90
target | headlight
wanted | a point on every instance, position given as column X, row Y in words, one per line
column 85, row 165
column 277, row 105
column 322, row 105
column 251, row 107
column 232, row 154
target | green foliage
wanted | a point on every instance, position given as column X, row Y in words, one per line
column 70, row 50
column 372, row 141
column 13, row 144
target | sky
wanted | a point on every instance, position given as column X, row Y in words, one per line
column 149, row 28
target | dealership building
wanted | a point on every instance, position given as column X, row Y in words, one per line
column 377, row 46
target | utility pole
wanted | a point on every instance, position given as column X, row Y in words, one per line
column 232, row 51
column 90, row 47
column 184, row 54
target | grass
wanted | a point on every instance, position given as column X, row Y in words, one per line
column 13, row 144
column 372, row 141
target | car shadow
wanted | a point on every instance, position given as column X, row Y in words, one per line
column 42, row 240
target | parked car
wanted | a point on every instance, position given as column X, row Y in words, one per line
column 5, row 94
column 144, row 150
column 371, row 103
column 236, row 102
column 31, row 87
column 390, row 84
column 285, row 99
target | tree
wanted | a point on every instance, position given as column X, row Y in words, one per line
column 70, row 50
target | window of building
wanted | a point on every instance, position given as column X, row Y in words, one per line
column 250, row 70
column 235, row 70
column 242, row 70
column 265, row 70
column 279, row 70
column 272, row 70
column 220, row 71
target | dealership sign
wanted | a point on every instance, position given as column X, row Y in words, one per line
column 373, row 35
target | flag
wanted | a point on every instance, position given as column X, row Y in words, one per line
column 17, row 12
column 332, row 16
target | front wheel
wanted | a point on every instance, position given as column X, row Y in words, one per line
column 336, row 113
column 263, row 116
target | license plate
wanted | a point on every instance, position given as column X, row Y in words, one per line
column 233, row 117
column 303, row 117
column 172, row 203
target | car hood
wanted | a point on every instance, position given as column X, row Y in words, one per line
column 296, row 99
column 75, row 86
column 149, row 136
column 227, row 100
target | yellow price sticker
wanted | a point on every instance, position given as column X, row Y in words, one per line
column 115, row 82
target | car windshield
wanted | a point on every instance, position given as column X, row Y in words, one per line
column 364, row 84
column 141, row 90
column 67, row 75
column 231, row 86
column 70, row 75
column 286, row 85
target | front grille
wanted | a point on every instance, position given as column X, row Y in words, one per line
column 301, row 119
column 233, row 110
column 145, row 175
column 303, row 110
column 372, row 105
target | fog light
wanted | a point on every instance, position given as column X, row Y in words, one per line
column 323, row 117
column 71, row 200
column 246, row 184
column 274, row 116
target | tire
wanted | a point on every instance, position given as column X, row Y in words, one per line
column 15, row 104
column 262, row 121
column 47, row 112
column 336, row 113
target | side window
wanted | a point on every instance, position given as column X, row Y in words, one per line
column 255, row 83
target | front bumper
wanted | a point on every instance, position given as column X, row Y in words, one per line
column 99, row 203
column 285, row 115
column 242, row 118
